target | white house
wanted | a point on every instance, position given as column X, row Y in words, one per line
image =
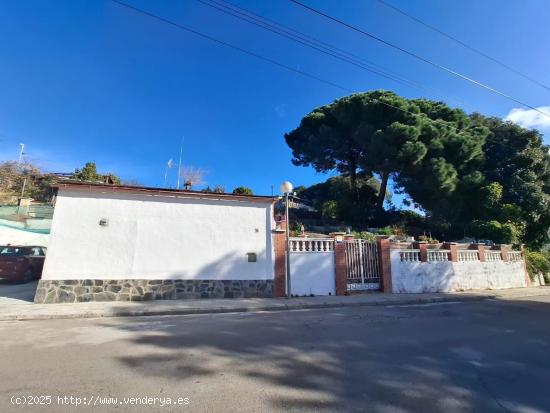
column 131, row 243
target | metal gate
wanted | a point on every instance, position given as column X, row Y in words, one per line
column 362, row 266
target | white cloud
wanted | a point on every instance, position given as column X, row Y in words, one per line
column 530, row 118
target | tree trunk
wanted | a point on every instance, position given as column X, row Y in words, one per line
column 353, row 178
column 382, row 193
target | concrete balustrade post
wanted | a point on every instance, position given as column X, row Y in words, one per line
column 453, row 250
column 503, row 251
column 480, row 251
column 423, row 247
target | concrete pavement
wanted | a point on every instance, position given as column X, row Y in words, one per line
column 12, row 309
column 466, row 356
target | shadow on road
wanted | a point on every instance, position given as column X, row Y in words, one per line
column 11, row 292
column 486, row 356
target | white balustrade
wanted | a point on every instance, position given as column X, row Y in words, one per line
column 311, row 245
column 438, row 255
column 409, row 255
column 468, row 255
column 514, row 256
column 492, row 256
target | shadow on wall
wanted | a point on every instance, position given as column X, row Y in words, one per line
column 375, row 359
column 224, row 277
column 230, row 266
column 422, row 277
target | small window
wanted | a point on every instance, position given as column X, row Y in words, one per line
column 252, row 256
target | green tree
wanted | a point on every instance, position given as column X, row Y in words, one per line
column 421, row 144
column 218, row 189
column 329, row 209
column 24, row 179
column 89, row 174
column 518, row 161
column 335, row 199
column 338, row 136
column 446, row 182
column 242, row 190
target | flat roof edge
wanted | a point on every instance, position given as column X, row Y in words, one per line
column 105, row 188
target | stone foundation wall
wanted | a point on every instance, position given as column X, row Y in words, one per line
column 71, row 291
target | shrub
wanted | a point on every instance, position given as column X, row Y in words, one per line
column 385, row 231
column 500, row 233
column 538, row 263
column 428, row 239
column 369, row 236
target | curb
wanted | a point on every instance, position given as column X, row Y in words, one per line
column 228, row 310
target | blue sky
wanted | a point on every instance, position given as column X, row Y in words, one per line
column 90, row 80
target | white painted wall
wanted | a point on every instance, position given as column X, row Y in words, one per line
column 16, row 236
column 446, row 276
column 312, row 273
column 158, row 237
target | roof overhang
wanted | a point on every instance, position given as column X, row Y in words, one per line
column 161, row 192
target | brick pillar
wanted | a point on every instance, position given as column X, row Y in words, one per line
column 453, row 250
column 384, row 261
column 423, row 247
column 340, row 278
column 279, row 245
column 503, row 251
column 480, row 250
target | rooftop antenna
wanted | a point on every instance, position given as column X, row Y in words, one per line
column 179, row 163
column 168, row 166
column 21, row 152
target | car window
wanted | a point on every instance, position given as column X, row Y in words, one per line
column 37, row 251
column 12, row 251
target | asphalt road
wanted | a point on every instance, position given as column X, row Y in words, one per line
column 452, row 357
column 13, row 293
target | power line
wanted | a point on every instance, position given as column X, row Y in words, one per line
column 274, row 62
column 418, row 57
column 463, row 44
column 319, row 45
column 245, row 14
column 232, row 46
column 269, row 27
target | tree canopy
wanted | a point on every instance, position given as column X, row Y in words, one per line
column 470, row 174
column 382, row 134
column 242, row 190
column 335, row 199
column 89, row 173
column 24, row 180
column 517, row 161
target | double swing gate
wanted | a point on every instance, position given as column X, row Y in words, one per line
column 362, row 265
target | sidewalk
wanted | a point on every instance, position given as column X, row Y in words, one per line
column 20, row 310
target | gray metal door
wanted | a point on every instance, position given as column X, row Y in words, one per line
column 362, row 267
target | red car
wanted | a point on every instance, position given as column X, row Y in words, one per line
column 21, row 263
